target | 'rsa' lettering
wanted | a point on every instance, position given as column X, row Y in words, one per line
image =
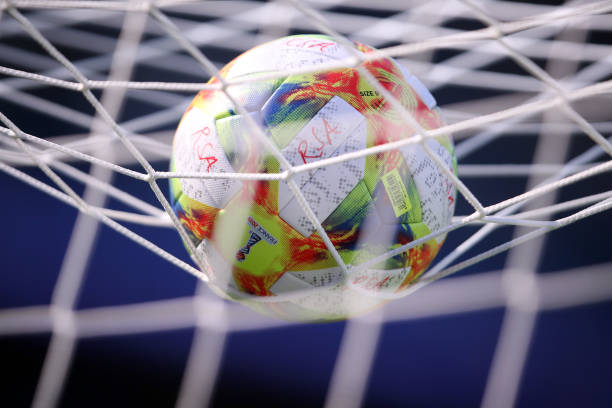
column 303, row 147
column 202, row 148
column 310, row 43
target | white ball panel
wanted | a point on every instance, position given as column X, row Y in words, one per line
column 197, row 149
column 288, row 53
column 321, row 138
column 336, row 129
column 331, row 297
column 436, row 191
column 254, row 100
column 337, row 300
column 300, row 280
column 387, row 280
column 288, row 283
column 447, row 207
column 328, row 186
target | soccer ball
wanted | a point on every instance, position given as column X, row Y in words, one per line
column 256, row 237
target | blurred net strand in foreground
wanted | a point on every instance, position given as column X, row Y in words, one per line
column 213, row 316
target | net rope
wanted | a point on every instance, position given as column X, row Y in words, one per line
column 518, row 288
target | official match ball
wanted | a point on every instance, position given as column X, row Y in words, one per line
column 267, row 206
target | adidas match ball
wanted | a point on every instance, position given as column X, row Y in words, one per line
column 256, row 237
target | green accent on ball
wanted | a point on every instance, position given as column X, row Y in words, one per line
column 415, row 214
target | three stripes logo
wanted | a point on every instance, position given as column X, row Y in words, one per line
column 256, row 234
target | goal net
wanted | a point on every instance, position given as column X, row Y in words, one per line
column 101, row 305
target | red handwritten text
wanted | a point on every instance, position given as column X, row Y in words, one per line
column 202, row 148
column 323, row 141
column 304, row 43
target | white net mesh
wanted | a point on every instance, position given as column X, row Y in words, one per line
column 91, row 93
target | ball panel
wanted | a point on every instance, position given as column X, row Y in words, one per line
column 317, row 278
column 288, row 283
column 420, row 256
column 197, row 150
column 377, row 239
column 294, row 52
column 383, row 280
column 213, row 103
column 291, row 107
column 328, row 129
column 398, row 196
column 327, row 186
column 345, row 224
column 253, row 95
column 220, row 270
column 335, row 302
column 436, row 192
column 241, row 146
column 324, row 136
column 197, row 218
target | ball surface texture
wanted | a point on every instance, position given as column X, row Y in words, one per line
column 256, row 238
